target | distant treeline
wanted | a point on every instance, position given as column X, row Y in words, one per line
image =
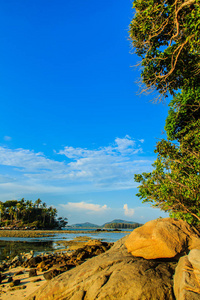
column 122, row 225
column 25, row 213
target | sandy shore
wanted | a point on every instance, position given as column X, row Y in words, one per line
column 42, row 233
column 27, row 286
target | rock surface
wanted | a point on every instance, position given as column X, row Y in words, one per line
column 162, row 238
column 187, row 277
column 115, row 274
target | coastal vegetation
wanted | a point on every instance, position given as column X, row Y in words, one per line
column 122, row 225
column 26, row 214
column 165, row 35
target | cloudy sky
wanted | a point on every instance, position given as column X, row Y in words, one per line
column 74, row 128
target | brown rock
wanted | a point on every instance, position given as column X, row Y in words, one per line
column 33, row 261
column 187, row 277
column 161, row 238
column 113, row 275
column 2, row 277
column 51, row 274
column 15, row 282
column 32, row 272
column 41, row 266
column 10, row 279
column 19, row 273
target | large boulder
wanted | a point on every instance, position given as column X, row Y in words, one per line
column 113, row 275
column 162, row 238
column 187, row 277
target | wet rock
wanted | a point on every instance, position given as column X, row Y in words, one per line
column 2, row 277
column 2, row 268
column 15, row 282
column 32, row 272
column 36, row 280
column 34, row 261
column 41, row 266
column 10, row 279
column 18, row 288
column 16, row 259
column 19, row 273
column 51, row 274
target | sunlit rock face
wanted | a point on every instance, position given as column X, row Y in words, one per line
column 162, row 238
column 187, row 277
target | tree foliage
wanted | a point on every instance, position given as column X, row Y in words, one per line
column 174, row 184
column 24, row 213
column 122, row 225
column 184, row 109
column 165, row 34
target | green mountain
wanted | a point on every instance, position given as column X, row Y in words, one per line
column 90, row 225
column 85, row 225
column 119, row 221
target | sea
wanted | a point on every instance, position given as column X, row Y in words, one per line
column 13, row 246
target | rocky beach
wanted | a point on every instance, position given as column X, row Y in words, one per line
column 25, row 273
column 158, row 261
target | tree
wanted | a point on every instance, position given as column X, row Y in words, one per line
column 165, row 34
column 11, row 212
column 184, row 109
column 61, row 222
column 1, row 210
column 27, row 214
column 38, row 202
column 174, row 184
column 52, row 213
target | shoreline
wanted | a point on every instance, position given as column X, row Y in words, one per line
column 47, row 233
column 76, row 252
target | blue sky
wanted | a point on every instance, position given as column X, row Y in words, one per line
column 74, row 128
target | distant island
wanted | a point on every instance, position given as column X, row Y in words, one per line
column 25, row 214
column 117, row 223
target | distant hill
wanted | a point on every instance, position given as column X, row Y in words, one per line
column 90, row 225
column 119, row 221
column 85, row 225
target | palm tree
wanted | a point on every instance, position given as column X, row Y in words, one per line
column 38, row 202
column 1, row 210
column 11, row 212
column 29, row 207
column 44, row 211
column 52, row 213
column 19, row 209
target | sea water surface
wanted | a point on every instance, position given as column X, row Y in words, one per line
column 12, row 246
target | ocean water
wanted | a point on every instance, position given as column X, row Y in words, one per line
column 12, row 246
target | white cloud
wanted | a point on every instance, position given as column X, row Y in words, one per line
column 27, row 160
column 85, row 170
column 7, row 138
column 85, row 206
column 125, row 145
column 129, row 212
column 141, row 141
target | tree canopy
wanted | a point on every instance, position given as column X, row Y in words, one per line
column 174, row 184
column 25, row 213
column 184, row 109
column 165, row 34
